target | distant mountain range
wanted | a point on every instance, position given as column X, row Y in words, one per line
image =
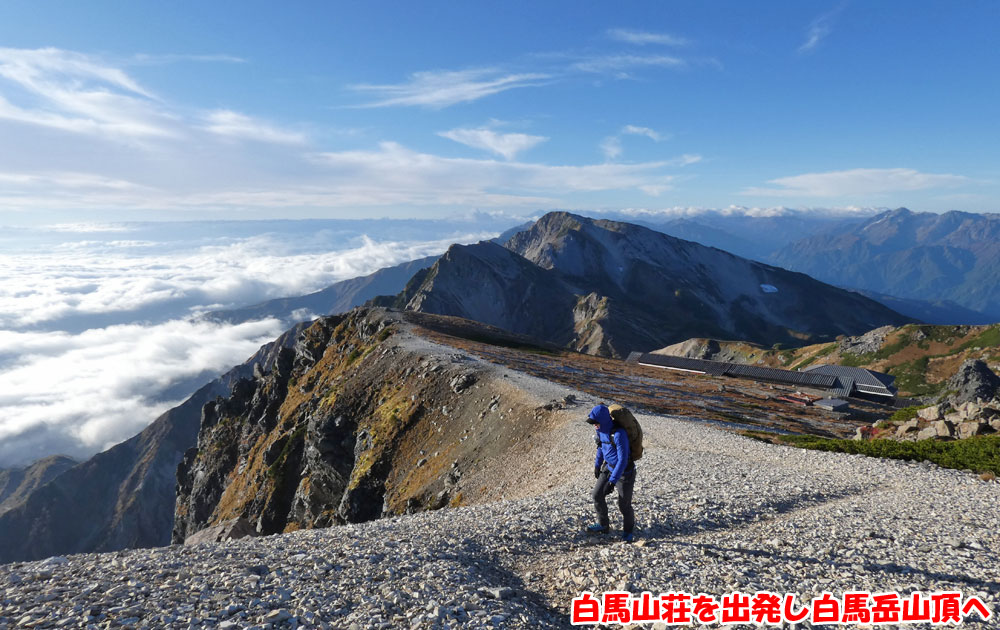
column 750, row 236
column 605, row 287
column 953, row 256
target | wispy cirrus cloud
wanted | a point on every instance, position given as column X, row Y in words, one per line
column 395, row 169
column 147, row 59
column 86, row 95
column 819, row 29
column 444, row 88
column 73, row 92
column 68, row 180
column 507, row 145
column 612, row 145
column 642, row 38
column 617, row 63
column 652, row 134
column 225, row 122
column 859, row 181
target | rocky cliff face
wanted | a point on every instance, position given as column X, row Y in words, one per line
column 359, row 419
column 120, row 498
column 609, row 288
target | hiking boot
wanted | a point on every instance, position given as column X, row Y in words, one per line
column 597, row 528
column 627, row 537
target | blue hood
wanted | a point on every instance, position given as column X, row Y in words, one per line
column 603, row 417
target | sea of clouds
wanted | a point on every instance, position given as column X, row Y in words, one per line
column 99, row 325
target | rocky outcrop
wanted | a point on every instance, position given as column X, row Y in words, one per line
column 233, row 529
column 123, row 497
column 359, row 419
column 940, row 422
column 610, row 288
column 871, row 341
column 974, row 381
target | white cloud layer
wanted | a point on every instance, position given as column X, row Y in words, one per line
column 97, row 337
column 857, row 182
column 507, row 145
column 79, row 394
column 439, row 89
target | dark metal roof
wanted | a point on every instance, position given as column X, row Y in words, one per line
column 844, row 387
column 715, row 368
column 867, row 381
column 738, row 370
column 777, row 375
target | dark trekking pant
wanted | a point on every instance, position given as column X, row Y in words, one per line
column 624, row 487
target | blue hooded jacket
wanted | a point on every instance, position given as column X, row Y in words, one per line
column 614, row 448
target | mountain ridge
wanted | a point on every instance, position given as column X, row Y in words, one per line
column 608, row 287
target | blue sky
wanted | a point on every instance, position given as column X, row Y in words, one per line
column 184, row 110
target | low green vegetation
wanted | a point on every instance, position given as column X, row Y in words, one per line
column 980, row 454
column 276, row 470
column 354, row 355
column 989, row 338
column 911, row 377
column 904, row 414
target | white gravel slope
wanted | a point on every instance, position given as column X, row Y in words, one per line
column 716, row 513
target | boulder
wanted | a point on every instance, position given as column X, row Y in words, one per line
column 943, row 428
column 907, row 427
column 973, row 381
column 931, row 413
column 227, row 530
column 927, row 433
column 971, row 428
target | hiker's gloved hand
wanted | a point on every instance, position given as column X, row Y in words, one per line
column 609, row 488
column 597, row 472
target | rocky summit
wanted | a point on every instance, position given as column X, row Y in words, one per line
column 609, row 288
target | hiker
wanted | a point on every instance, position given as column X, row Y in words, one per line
column 613, row 469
